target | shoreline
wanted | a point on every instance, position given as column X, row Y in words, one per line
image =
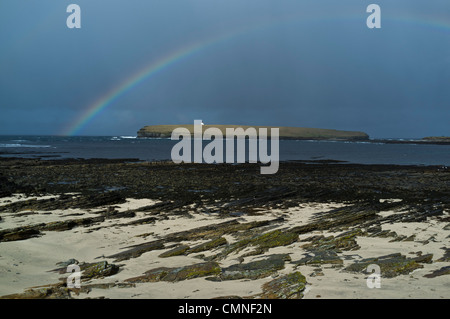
column 222, row 230
column 372, row 152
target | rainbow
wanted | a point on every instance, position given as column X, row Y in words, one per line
column 185, row 52
column 152, row 69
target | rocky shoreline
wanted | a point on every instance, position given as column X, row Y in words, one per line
column 165, row 230
column 423, row 141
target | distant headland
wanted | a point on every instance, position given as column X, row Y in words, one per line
column 435, row 140
column 293, row 133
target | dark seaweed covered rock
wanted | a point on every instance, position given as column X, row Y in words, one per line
column 255, row 269
column 208, row 245
column 344, row 241
column 260, row 243
column 320, row 256
column 97, row 270
column 179, row 273
column 89, row 270
column 213, row 231
column 440, row 272
column 57, row 291
column 290, row 286
column 20, row 233
column 179, row 250
column 446, row 256
column 391, row 265
column 8, row 187
column 137, row 250
column 324, row 250
column 274, row 239
column 65, row 202
column 69, row 224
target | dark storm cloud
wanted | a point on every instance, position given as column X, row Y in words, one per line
column 330, row 73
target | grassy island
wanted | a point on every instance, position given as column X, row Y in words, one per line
column 300, row 133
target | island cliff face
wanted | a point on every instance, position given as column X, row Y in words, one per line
column 294, row 133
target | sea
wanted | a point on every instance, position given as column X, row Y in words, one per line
column 159, row 149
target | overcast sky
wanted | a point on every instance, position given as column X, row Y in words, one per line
column 307, row 63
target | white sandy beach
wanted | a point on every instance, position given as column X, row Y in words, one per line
column 27, row 263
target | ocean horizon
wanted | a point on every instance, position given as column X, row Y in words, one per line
column 159, row 149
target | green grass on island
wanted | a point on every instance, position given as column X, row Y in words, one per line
column 300, row 133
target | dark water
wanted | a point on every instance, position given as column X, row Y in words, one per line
column 54, row 147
